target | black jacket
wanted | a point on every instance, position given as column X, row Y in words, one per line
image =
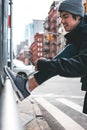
column 74, row 66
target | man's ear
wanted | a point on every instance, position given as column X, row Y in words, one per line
column 78, row 18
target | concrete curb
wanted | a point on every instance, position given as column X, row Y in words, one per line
column 31, row 115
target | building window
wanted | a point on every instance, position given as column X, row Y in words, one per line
column 39, row 39
column 40, row 54
column 39, row 49
column 40, row 44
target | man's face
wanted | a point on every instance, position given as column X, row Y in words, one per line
column 68, row 21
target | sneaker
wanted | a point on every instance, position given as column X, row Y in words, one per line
column 18, row 82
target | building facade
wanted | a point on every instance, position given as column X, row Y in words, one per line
column 37, row 48
column 54, row 40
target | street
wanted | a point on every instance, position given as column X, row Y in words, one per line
column 61, row 102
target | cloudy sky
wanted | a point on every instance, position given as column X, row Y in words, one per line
column 24, row 11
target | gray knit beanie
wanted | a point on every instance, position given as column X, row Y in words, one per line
column 72, row 6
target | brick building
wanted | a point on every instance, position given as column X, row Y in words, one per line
column 37, row 47
column 53, row 31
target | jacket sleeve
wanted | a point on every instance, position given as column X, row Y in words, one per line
column 69, row 51
column 72, row 67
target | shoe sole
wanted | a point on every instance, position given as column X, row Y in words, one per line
column 18, row 93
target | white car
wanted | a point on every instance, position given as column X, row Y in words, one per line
column 20, row 68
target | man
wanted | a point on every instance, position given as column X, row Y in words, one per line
column 71, row 62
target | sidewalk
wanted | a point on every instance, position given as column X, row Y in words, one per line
column 31, row 115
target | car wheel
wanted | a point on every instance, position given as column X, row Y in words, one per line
column 23, row 74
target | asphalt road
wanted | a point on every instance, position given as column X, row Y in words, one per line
column 61, row 101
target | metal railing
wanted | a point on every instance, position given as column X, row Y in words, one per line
column 10, row 119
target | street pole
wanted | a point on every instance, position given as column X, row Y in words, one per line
column 11, row 32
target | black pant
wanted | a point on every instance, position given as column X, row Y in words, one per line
column 85, row 104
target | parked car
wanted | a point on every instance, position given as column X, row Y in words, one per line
column 20, row 68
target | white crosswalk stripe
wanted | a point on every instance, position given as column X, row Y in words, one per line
column 59, row 96
column 70, row 104
column 60, row 116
